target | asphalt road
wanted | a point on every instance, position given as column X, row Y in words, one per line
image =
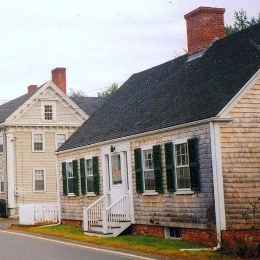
column 19, row 246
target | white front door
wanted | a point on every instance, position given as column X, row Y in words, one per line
column 118, row 175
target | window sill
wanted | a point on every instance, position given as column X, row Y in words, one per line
column 151, row 193
column 71, row 195
column 91, row 195
column 184, row 192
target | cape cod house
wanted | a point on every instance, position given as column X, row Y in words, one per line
column 175, row 152
column 32, row 127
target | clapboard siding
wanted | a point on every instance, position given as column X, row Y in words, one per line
column 240, row 145
column 64, row 113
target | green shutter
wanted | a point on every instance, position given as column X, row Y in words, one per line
column 170, row 168
column 82, row 176
column 157, row 160
column 64, row 179
column 75, row 177
column 95, row 175
column 194, row 164
column 138, row 170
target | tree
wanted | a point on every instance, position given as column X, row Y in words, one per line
column 109, row 91
column 76, row 93
column 241, row 22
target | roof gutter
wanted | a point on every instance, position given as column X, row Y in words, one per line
column 158, row 131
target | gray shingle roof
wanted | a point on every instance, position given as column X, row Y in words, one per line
column 89, row 104
column 175, row 92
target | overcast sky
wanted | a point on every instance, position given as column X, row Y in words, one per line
column 98, row 42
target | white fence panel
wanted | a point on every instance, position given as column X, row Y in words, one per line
column 31, row 214
column 26, row 214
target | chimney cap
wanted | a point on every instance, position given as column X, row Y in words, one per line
column 203, row 9
column 31, row 88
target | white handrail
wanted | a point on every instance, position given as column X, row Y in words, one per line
column 93, row 213
column 116, row 213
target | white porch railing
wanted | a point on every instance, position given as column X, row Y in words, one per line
column 31, row 214
column 110, row 217
column 93, row 214
column 116, row 213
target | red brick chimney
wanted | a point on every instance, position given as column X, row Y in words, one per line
column 204, row 24
column 59, row 78
column 31, row 88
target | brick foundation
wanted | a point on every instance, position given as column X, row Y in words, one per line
column 207, row 237
column 240, row 238
column 147, row 230
column 71, row 222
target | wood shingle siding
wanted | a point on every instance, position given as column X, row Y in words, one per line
column 240, row 144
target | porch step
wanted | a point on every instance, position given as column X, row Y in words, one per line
column 97, row 230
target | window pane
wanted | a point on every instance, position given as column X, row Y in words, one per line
column 90, row 184
column 149, row 180
column 116, row 169
column 148, row 159
column 71, row 185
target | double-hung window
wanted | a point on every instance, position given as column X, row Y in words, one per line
column 60, row 139
column 39, row 179
column 48, row 110
column 38, row 142
column 182, row 165
column 70, row 177
column 148, row 169
column 2, row 181
column 89, row 175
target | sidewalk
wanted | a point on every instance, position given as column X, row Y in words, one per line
column 7, row 222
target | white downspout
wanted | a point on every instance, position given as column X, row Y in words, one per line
column 10, row 170
column 58, row 188
column 217, row 181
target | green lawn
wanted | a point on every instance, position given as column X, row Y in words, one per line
column 166, row 248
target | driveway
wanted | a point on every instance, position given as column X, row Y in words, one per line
column 7, row 222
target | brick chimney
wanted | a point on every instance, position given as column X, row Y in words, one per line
column 204, row 24
column 59, row 78
column 31, row 88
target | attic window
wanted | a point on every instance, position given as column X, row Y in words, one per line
column 48, row 112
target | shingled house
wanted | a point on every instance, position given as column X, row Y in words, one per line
column 175, row 152
column 32, row 127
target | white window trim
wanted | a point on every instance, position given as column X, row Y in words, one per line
column 88, row 194
column 180, row 191
column 54, row 110
column 2, row 174
column 43, row 142
column 44, row 171
column 56, row 138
